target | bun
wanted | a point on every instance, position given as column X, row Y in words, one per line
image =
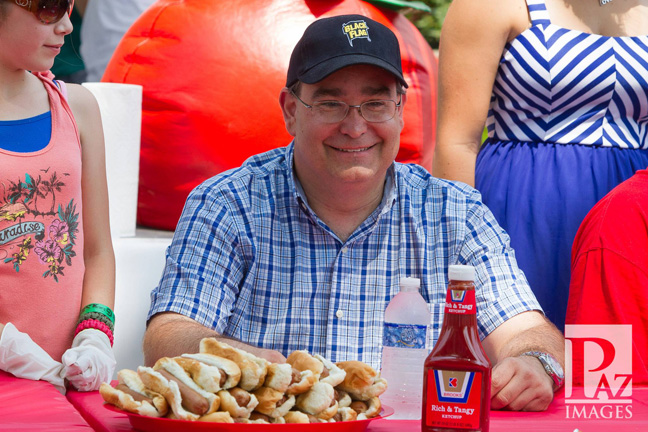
column 296, row 417
column 302, row 361
column 279, row 376
column 131, row 395
column 220, row 374
column 305, row 381
column 273, row 403
column 345, row 414
column 187, row 399
column 334, row 375
column 343, row 398
column 169, row 389
column 370, row 409
column 320, row 397
column 238, row 402
column 217, row 417
column 362, row 382
column 253, row 368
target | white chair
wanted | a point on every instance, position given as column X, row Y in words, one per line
column 139, row 253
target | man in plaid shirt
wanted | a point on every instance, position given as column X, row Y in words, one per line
column 302, row 247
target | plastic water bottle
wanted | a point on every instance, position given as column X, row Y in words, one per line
column 407, row 318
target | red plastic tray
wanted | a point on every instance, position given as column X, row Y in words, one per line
column 156, row 424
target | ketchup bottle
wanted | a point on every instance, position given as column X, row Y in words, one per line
column 457, row 374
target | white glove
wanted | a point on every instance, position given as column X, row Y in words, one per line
column 90, row 361
column 24, row 358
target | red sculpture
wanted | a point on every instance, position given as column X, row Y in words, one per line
column 212, row 72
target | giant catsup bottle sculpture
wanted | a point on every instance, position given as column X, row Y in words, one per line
column 211, row 73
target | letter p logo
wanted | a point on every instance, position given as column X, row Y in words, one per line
column 598, row 358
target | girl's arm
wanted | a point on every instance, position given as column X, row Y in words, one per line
column 473, row 38
column 99, row 279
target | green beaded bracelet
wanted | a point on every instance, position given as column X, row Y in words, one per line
column 102, row 309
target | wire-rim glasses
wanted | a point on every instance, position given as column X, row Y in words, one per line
column 333, row 111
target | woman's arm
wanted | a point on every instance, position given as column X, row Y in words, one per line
column 472, row 41
column 99, row 279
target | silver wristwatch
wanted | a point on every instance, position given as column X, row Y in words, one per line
column 551, row 366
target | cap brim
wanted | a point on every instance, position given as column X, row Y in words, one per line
column 319, row 72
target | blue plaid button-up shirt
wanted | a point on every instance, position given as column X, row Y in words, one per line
column 250, row 260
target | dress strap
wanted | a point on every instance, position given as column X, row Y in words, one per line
column 538, row 13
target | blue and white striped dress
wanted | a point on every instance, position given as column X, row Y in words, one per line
column 568, row 121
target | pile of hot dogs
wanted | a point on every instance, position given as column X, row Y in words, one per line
column 225, row 384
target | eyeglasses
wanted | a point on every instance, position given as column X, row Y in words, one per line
column 47, row 11
column 373, row 111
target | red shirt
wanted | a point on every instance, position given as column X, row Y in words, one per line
column 609, row 280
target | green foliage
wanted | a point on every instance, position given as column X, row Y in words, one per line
column 429, row 24
column 426, row 15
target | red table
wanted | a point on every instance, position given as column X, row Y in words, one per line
column 554, row 419
column 37, row 406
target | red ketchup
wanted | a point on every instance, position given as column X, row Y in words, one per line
column 457, row 374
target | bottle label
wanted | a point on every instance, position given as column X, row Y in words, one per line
column 460, row 302
column 404, row 335
column 453, row 399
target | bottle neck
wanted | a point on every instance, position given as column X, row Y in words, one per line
column 460, row 306
column 459, row 336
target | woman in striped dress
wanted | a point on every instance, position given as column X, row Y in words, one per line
column 562, row 86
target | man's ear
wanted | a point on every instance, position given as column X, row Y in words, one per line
column 401, row 110
column 288, row 108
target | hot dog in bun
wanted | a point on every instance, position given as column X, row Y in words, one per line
column 187, row 399
column 217, row 417
column 273, row 403
column 253, row 368
column 303, row 361
column 318, row 401
column 285, row 378
column 211, row 372
column 131, row 395
column 345, row 414
column 330, row 373
column 366, row 409
column 362, row 382
column 238, row 402
column 300, row 417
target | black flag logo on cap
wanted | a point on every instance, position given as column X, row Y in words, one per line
column 356, row 30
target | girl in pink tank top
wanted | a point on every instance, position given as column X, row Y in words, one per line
column 57, row 267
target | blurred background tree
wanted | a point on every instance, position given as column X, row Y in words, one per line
column 429, row 23
column 426, row 15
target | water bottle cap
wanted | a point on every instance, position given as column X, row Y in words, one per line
column 410, row 284
column 461, row 273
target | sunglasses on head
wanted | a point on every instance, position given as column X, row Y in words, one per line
column 47, row 11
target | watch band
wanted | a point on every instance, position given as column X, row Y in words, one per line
column 551, row 366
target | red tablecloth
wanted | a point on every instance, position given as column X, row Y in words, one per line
column 554, row 419
column 36, row 406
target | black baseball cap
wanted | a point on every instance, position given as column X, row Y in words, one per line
column 330, row 44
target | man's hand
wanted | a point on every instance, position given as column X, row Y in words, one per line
column 268, row 354
column 170, row 334
column 520, row 384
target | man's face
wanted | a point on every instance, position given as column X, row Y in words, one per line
column 352, row 150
